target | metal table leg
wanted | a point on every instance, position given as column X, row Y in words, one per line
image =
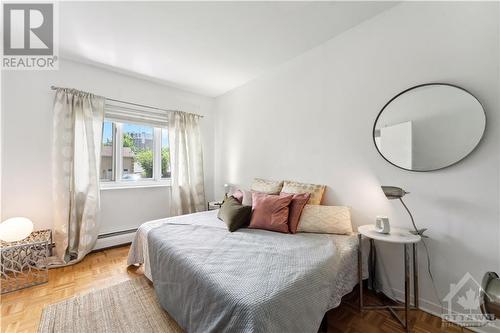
column 407, row 286
column 415, row 274
column 372, row 265
column 360, row 271
column 408, row 261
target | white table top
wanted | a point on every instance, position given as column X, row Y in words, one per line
column 397, row 235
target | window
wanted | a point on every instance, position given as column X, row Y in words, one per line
column 137, row 152
column 106, row 173
column 165, row 154
column 134, row 154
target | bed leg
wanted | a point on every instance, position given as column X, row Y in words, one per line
column 324, row 324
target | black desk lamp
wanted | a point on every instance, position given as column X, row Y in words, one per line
column 393, row 192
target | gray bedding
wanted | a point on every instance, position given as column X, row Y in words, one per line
column 211, row 280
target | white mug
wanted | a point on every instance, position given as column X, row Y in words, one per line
column 382, row 225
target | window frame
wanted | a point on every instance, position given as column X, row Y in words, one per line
column 116, row 181
column 160, row 140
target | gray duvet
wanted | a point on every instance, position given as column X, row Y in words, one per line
column 211, row 280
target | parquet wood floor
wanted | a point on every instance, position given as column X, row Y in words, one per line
column 21, row 310
column 347, row 319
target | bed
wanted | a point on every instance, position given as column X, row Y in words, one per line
column 211, row 280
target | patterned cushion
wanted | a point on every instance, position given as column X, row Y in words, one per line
column 315, row 190
column 325, row 220
column 267, row 186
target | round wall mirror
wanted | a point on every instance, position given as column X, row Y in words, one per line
column 429, row 127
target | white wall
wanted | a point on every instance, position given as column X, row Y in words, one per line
column 27, row 133
column 311, row 120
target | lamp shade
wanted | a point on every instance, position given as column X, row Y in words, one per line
column 15, row 229
column 393, row 192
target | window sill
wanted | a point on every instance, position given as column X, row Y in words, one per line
column 133, row 184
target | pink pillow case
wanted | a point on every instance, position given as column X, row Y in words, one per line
column 243, row 196
column 298, row 203
column 238, row 195
column 270, row 212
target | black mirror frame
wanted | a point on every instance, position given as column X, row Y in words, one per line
column 424, row 85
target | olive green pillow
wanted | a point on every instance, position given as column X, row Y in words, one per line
column 234, row 214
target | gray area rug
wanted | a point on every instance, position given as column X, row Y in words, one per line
column 130, row 306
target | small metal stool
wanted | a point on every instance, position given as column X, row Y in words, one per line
column 24, row 263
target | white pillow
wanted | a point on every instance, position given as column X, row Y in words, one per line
column 325, row 220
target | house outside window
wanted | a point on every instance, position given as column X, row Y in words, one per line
column 134, row 155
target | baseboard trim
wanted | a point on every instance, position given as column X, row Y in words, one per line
column 110, row 247
column 436, row 309
column 116, row 233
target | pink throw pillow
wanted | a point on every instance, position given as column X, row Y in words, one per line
column 238, row 195
column 298, row 203
column 270, row 212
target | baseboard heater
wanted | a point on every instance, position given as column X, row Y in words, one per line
column 117, row 233
column 113, row 239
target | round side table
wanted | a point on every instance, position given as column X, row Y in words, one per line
column 398, row 236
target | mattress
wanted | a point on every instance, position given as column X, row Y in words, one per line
column 251, row 280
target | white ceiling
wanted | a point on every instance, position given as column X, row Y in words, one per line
column 203, row 47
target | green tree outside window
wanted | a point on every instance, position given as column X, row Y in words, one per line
column 145, row 157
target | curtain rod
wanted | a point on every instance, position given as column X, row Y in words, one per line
column 130, row 103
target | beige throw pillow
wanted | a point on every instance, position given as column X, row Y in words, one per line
column 296, row 187
column 325, row 220
column 267, row 186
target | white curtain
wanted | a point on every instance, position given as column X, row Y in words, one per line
column 186, row 160
column 76, row 150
